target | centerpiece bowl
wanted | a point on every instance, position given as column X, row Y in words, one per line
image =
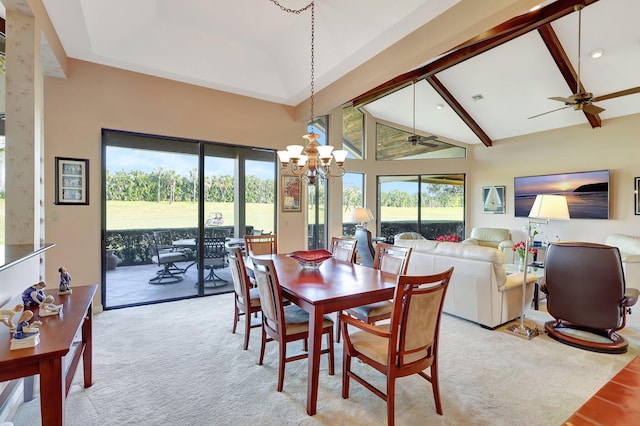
column 311, row 259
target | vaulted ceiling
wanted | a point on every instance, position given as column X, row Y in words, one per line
column 486, row 88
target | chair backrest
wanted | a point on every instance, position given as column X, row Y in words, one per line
column 585, row 284
column 415, row 319
column 270, row 295
column 161, row 241
column 214, row 252
column 261, row 244
column 365, row 247
column 221, row 232
column 490, row 237
column 343, row 249
column 239, row 274
column 391, row 258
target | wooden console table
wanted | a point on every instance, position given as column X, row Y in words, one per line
column 64, row 338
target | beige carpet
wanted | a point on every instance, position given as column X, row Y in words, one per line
column 178, row 364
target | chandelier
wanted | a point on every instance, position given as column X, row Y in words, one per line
column 313, row 162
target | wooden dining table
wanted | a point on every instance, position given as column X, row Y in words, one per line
column 335, row 286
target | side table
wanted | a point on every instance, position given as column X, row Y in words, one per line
column 512, row 268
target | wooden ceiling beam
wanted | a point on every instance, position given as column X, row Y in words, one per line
column 458, row 109
column 488, row 40
column 569, row 73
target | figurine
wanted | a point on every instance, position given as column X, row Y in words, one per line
column 65, row 281
column 6, row 317
column 24, row 329
column 34, row 296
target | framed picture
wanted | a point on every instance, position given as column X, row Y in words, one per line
column 493, row 199
column 636, row 196
column 72, row 181
column 291, row 194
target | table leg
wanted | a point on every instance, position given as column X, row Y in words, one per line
column 87, row 355
column 315, row 346
column 52, row 392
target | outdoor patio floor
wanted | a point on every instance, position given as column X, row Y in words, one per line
column 129, row 285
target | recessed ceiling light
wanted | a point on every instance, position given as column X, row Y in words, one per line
column 596, row 53
column 477, row 97
column 439, row 106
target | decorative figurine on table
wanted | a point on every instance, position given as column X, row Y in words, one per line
column 34, row 296
column 6, row 317
column 65, row 282
column 26, row 335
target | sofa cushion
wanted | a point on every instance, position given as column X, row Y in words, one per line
column 627, row 244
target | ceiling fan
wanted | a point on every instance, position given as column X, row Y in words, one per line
column 416, row 139
column 582, row 100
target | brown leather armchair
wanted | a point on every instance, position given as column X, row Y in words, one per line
column 585, row 288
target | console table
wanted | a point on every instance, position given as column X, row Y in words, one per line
column 64, row 338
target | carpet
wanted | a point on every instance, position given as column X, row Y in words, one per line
column 178, row 363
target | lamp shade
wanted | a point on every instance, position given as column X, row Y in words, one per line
column 362, row 215
column 551, row 207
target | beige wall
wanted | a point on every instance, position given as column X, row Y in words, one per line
column 96, row 97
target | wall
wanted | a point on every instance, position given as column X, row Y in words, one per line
column 613, row 146
column 96, row 97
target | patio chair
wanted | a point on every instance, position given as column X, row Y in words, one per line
column 166, row 256
column 215, row 257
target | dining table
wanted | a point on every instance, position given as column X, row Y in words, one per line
column 333, row 287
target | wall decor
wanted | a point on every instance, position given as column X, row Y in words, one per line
column 493, row 199
column 291, row 194
column 72, row 181
column 587, row 193
column 636, row 189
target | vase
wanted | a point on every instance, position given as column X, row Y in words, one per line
column 521, row 265
column 111, row 260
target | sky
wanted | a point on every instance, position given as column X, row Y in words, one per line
column 554, row 184
column 127, row 159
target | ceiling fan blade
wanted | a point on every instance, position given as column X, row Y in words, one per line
column 592, row 109
column 617, row 94
column 548, row 112
column 565, row 100
column 429, row 144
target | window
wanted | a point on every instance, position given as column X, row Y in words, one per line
column 432, row 205
column 353, row 132
column 392, row 144
column 352, row 197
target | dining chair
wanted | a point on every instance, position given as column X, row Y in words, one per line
column 260, row 244
column 247, row 298
column 284, row 324
column 166, row 256
column 343, row 248
column 407, row 345
column 388, row 258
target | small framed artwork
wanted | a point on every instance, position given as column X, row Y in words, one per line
column 636, row 196
column 493, row 199
column 72, row 181
column 291, row 194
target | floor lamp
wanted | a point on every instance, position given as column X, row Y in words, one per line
column 546, row 207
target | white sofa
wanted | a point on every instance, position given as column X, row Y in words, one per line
column 630, row 252
column 479, row 290
column 493, row 237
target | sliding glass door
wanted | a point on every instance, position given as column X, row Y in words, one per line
column 164, row 199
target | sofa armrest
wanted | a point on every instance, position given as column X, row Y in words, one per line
column 632, row 258
column 506, row 244
column 470, row 241
column 515, row 280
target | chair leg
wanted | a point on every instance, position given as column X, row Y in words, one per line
column 247, row 330
column 236, row 317
column 346, row 369
column 391, row 390
column 281, row 363
column 434, row 385
column 262, row 345
column 331, row 359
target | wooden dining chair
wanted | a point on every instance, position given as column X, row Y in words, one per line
column 247, row 298
column 284, row 324
column 405, row 346
column 343, row 248
column 388, row 258
column 261, row 244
